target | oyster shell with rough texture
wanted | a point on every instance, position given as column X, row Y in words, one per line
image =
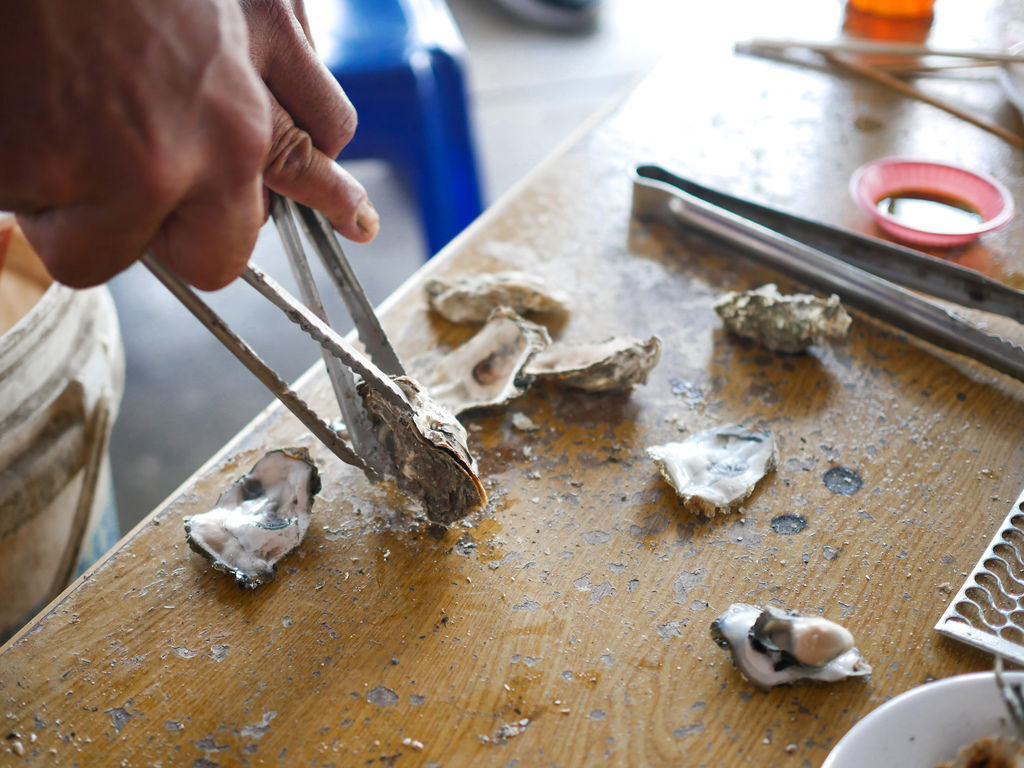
column 260, row 519
column 718, row 468
column 429, row 455
column 784, row 323
column 616, row 363
column 488, row 369
column 771, row 646
column 471, row 299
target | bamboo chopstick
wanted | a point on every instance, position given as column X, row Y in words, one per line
column 908, row 90
column 891, row 49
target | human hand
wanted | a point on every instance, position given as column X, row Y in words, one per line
column 128, row 124
column 312, row 119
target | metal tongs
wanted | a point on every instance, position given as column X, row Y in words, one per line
column 342, row 360
column 869, row 274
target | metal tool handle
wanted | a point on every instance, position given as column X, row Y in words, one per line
column 903, row 266
column 873, row 295
column 318, row 229
column 343, row 382
column 248, row 357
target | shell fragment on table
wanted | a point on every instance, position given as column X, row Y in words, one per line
column 617, row 363
column 784, row 323
column 772, row 646
column 429, row 453
column 714, row 470
column 472, row 298
column 260, row 519
column 488, row 369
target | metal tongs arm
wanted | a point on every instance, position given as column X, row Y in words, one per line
column 655, row 196
column 342, row 360
column 248, row 357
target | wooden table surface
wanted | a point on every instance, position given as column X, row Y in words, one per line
column 567, row 623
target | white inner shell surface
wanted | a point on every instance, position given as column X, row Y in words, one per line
column 261, row 518
column 766, row 668
column 716, row 469
column 488, row 369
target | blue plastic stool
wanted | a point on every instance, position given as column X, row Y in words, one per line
column 401, row 63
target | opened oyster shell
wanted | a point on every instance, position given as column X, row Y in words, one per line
column 785, row 323
column 488, row 369
column 430, row 457
column 471, row 299
column 713, row 471
column 772, row 646
column 617, row 363
column 260, row 519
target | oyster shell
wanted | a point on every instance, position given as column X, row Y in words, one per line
column 471, row 299
column 617, row 363
column 488, row 369
column 771, row 646
column 430, row 458
column 785, row 323
column 260, row 519
column 718, row 468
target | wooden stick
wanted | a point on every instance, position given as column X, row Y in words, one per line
column 891, row 49
column 908, row 90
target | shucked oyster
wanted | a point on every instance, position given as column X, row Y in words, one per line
column 488, row 369
column 772, row 646
column 783, row 323
column 470, row 299
column 617, row 363
column 261, row 518
column 716, row 469
column 430, row 456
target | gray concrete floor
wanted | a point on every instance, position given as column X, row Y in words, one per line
column 530, row 89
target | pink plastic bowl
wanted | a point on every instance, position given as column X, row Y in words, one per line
column 881, row 178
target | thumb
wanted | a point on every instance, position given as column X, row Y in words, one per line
column 297, row 169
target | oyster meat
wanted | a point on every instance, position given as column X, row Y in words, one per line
column 617, row 363
column 717, row 469
column 784, row 323
column 488, row 369
column 993, row 751
column 771, row 646
column 429, row 455
column 260, row 519
column 471, row 299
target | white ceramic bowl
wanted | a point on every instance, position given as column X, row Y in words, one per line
column 926, row 725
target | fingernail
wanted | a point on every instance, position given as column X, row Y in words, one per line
column 367, row 218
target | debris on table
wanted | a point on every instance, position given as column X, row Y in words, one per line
column 430, row 457
column 471, row 299
column 784, row 323
column 772, row 646
column 617, row 363
column 260, row 519
column 714, row 470
column 488, row 369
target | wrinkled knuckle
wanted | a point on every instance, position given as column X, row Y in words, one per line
column 291, row 155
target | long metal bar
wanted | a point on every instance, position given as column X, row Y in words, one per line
column 245, row 354
column 885, row 48
column 874, row 295
column 342, row 381
column 325, row 336
column 319, row 231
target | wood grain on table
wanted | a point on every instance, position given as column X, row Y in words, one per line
column 567, row 623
